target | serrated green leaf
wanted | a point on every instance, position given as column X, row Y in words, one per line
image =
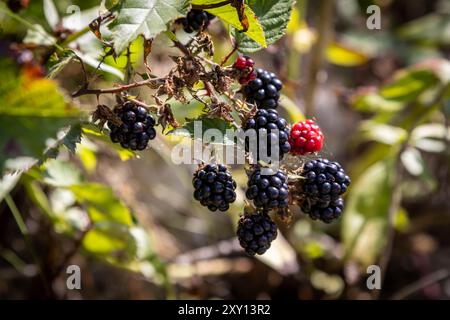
column 273, row 15
column 229, row 15
column 32, row 111
column 143, row 17
column 73, row 137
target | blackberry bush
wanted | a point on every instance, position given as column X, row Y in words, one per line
column 305, row 138
column 268, row 123
column 324, row 182
column 268, row 191
column 137, row 127
column 256, row 233
column 214, row 187
column 196, row 20
column 264, row 91
column 326, row 214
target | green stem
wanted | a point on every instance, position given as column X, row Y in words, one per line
column 26, row 235
column 74, row 36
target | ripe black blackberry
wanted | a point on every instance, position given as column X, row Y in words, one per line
column 137, row 127
column 196, row 20
column 268, row 191
column 324, row 181
column 256, row 233
column 264, row 91
column 326, row 214
column 214, row 187
column 267, row 124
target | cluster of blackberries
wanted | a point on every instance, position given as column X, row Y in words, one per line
column 17, row 5
column 214, row 187
column 245, row 63
column 196, row 20
column 256, row 232
column 267, row 124
column 324, row 183
column 305, row 138
column 268, row 191
column 264, row 91
column 137, row 127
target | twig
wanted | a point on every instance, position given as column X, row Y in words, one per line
column 153, row 83
column 422, row 283
column 325, row 20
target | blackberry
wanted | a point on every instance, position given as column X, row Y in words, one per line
column 267, row 124
column 214, row 187
column 196, row 20
column 305, row 138
column 256, row 233
column 264, row 91
column 17, row 5
column 326, row 214
column 245, row 63
column 268, row 191
column 137, row 127
column 324, row 182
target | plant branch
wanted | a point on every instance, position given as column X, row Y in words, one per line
column 152, row 83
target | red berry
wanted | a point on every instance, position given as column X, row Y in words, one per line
column 241, row 63
column 306, row 137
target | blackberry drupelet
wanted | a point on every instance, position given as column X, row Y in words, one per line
column 268, row 191
column 137, row 127
column 196, row 20
column 327, row 214
column 324, row 181
column 214, row 187
column 256, row 233
column 267, row 123
column 264, row 91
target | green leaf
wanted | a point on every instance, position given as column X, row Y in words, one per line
column 73, row 137
column 59, row 173
column 409, row 84
column 38, row 36
column 57, row 63
column 382, row 133
column 365, row 219
column 142, row 17
column 7, row 183
column 432, row 29
column 196, row 129
column 32, row 111
column 51, row 14
column 101, row 203
column 345, row 56
column 412, row 161
column 229, row 15
column 273, row 15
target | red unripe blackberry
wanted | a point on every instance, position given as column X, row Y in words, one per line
column 305, row 138
column 245, row 63
column 256, row 233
